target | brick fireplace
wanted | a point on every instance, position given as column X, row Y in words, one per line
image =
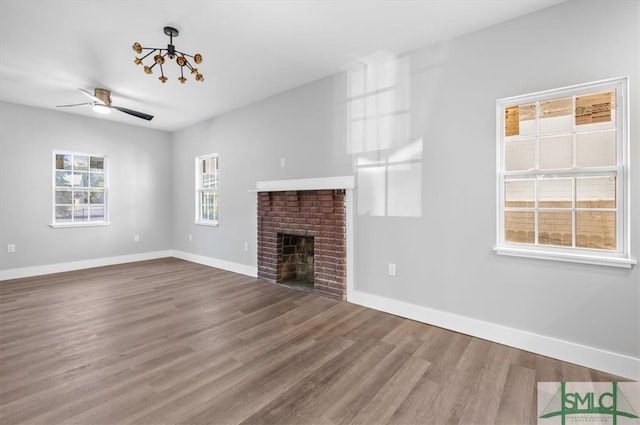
column 302, row 233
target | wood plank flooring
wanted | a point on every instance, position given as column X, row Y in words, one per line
column 172, row 342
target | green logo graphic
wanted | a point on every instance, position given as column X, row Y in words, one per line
column 612, row 404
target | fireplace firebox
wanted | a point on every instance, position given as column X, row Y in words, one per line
column 295, row 265
column 302, row 240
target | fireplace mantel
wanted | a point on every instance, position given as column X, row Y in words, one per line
column 320, row 183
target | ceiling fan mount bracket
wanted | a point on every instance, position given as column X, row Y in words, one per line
column 171, row 31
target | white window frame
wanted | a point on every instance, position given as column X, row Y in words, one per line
column 105, row 189
column 621, row 257
column 200, row 190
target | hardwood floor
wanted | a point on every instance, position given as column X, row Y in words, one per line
column 168, row 341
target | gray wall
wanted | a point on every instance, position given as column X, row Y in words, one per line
column 301, row 125
column 139, row 190
column 442, row 239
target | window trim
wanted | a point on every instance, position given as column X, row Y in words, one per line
column 198, row 190
column 60, row 225
column 622, row 256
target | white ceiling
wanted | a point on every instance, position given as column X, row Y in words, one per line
column 251, row 49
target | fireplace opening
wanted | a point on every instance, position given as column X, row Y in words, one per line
column 295, row 265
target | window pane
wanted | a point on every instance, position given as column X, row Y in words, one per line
column 96, row 213
column 209, row 206
column 555, row 193
column 555, row 228
column 80, row 179
column 519, row 193
column 80, row 197
column 63, row 162
column 63, row 197
column 205, row 166
column 595, row 108
column 63, row 213
column 97, row 180
column 97, row 197
column 209, row 181
column 519, row 226
column 520, row 120
column 96, row 163
column 556, row 152
column 596, row 192
column 63, row 178
column 80, row 213
column 596, row 230
column 596, row 149
column 556, row 116
column 81, row 162
column 520, row 155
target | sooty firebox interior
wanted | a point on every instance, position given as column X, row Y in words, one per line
column 295, row 261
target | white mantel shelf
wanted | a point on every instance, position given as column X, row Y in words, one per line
column 320, row 183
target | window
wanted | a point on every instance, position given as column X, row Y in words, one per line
column 207, row 190
column 79, row 189
column 563, row 174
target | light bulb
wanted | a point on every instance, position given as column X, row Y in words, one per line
column 101, row 109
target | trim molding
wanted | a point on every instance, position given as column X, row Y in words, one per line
column 79, row 265
column 594, row 358
column 340, row 182
column 251, row 271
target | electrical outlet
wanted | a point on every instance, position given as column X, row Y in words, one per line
column 136, row 238
column 190, row 238
column 246, row 246
column 11, row 248
column 392, row 269
column 282, row 162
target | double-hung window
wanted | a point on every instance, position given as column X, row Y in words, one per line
column 563, row 174
column 80, row 186
column 207, row 190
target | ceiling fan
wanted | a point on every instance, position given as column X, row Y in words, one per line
column 101, row 102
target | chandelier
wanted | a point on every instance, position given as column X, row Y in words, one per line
column 170, row 53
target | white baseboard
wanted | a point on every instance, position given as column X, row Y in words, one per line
column 594, row 358
column 79, row 265
column 251, row 271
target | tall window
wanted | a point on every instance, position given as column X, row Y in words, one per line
column 79, row 189
column 207, row 189
column 563, row 174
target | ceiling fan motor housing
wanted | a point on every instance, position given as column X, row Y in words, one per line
column 104, row 95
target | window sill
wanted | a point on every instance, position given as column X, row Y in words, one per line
column 567, row 257
column 93, row 224
column 206, row 223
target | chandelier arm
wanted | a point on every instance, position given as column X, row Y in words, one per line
column 147, row 55
column 186, row 55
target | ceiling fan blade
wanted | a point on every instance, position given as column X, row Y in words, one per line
column 91, row 96
column 134, row 113
column 75, row 104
